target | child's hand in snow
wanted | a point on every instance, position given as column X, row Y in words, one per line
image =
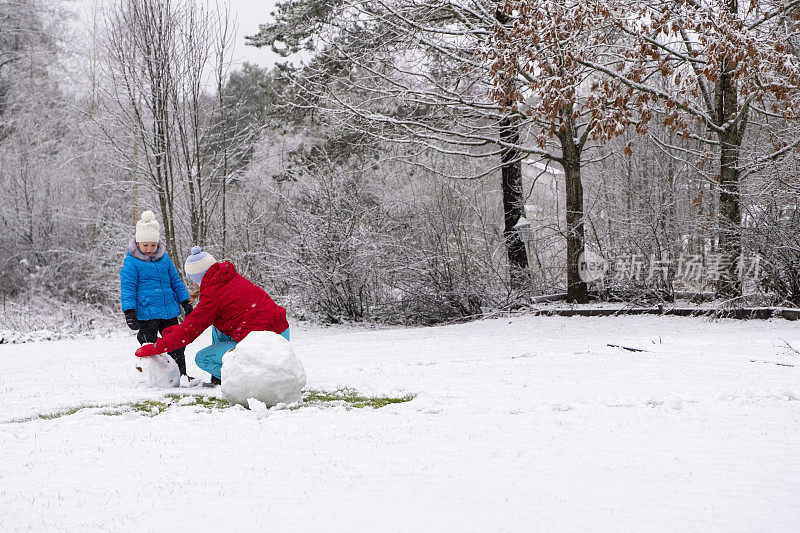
column 147, row 350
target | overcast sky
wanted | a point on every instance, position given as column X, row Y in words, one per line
column 249, row 14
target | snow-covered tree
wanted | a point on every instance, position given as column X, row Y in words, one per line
column 162, row 62
column 728, row 64
column 408, row 73
column 538, row 55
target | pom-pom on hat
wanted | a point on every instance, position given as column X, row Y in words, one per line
column 147, row 229
column 197, row 263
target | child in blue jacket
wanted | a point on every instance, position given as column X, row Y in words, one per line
column 152, row 290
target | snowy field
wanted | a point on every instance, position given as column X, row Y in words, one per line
column 520, row 424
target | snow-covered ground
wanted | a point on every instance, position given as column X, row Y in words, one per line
column 522, row 424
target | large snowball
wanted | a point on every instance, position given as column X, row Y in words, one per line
column 263, row 366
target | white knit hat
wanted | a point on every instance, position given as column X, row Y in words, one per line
column 147, row 229
column 197, row 263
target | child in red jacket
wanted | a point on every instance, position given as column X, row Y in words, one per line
column 230, row 303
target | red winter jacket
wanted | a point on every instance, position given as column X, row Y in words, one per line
column 229, row 302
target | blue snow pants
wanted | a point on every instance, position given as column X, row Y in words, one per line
column 210, row 357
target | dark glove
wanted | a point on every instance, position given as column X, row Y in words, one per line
column 130, row 318
column 187, row 307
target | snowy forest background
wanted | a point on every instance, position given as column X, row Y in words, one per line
column 378, row 174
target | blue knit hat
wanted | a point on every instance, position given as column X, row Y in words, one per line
column 197, row 263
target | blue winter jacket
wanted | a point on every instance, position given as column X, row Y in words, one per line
column 151, row 285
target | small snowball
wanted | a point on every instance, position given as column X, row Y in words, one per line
column 160, row 370
column 257, row 407
column 674, row 402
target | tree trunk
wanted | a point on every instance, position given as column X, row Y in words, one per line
column 513, row 204
column 730, row 140
column 730, row 233
column 577, row 291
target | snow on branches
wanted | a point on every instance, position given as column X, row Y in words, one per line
column 698, row 47
column 541, row 52
column 623, row 59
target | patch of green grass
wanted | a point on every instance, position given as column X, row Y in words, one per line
column 54, row 414
column 149, row 407
column 146, row 407
column 351, row 398
column 65, row 412
column 155, row 407
column 211, row 402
